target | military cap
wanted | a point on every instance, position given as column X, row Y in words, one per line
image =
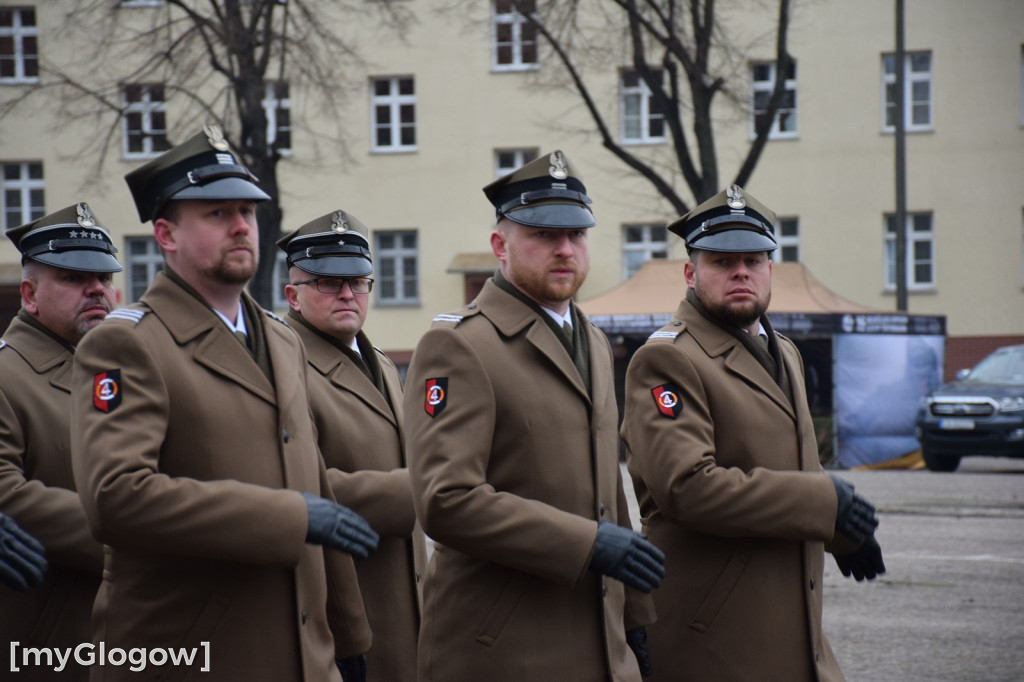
column 70, row 238
column 333, row 245
column 201, row 167
column 547, row 192
column 731, row 221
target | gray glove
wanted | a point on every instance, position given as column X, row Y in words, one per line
column 637, row 641
column 352, row 669
column 864, row 562
column 855, row 517
column 626, row 555
column 22, row 560
column 338, row 527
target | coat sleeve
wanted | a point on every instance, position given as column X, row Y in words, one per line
column 128, row 500
column 52, row 515
column 449, row 457
column 382, row 498
column 675, row 460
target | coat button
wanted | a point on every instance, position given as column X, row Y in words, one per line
column 603, row 510
column 812, row 583
column 471, row 306
column 285, row 435
column 419, row 576
column 305, row 616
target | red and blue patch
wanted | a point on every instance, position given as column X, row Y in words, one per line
column 106, row 390
column 666, row 397
column 437, row 396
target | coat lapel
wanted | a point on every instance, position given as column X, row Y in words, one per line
column 187, row 319
column 345, row 376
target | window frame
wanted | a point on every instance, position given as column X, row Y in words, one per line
column 394, row 101
column 641, row 93
column 520, row 157
column 517, row 41
column 146, row 107
column 648, row 245
column 273, row 106
column 914, row 237
column 24, row 185
column 911, row 78
column 152, row 261
column 768, row 86
column 18, row 32
column 399, row 255
column 790, row 241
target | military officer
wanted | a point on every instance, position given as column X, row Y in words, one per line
column 67, row 289
column 725, row 464
column 195, row 453
column 511, row 421
column 356, row 398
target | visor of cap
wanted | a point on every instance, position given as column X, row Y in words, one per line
column 736, row 240
column 554, row 215
column 335, row 266
column 85, row 260
column 224, row 188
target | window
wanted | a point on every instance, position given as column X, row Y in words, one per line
column 394, row 114
column 19, row 46
column 513, row 38
column 762, row 84
column 920, row 248
column 142, row 261
column 787, row 232
column 277, row 106
column 917, row 91
column 145, row 121
column 397, row 268
column 508, row 160
column 641, row 118
column 280, row 301
column 641, row 243
column 23, row 193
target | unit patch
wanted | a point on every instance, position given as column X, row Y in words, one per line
column 666, row 397
column 437, row 396
column 106, row 390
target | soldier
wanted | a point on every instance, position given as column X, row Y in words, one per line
column 356, row 398
column 725, row 464
column 195, row 452
column 66, row 289
column 511, row 420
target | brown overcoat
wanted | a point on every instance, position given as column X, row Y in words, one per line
column 732, row 490
column 362, row 441
column 37, row 489
column 510, row 475
column 190, row 473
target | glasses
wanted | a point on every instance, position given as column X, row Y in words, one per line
column 334, row 285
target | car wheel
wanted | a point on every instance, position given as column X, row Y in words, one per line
column 936, row 462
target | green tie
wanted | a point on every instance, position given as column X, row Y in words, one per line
column 763, row 339
column 567, row 330
column 243, row 339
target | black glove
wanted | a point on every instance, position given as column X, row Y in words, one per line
column 626, row 555
column 352, row 669
column 22, row 560
column 338, row 527
column 637, row 641
column 855, row 517
column 864, row 562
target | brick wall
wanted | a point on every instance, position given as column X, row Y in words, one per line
column 965, row 351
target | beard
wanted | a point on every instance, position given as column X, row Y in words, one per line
column 736, row 314
column 84, row 322
column 536, row 284
column 233, row 269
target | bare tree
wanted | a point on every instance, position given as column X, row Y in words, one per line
column 682, row 51
column 214, row 61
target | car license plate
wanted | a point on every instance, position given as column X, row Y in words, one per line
column 956, row 424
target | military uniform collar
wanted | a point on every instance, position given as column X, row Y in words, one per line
column 41, row 348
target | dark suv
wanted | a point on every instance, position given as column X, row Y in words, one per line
column 981, row 413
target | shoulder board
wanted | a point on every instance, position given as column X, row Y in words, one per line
column 447, row 320
column 664, row 334
column 130, row 314
column 271, row 314
column 3, row 344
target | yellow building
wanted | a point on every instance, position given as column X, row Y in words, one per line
column 463, row 98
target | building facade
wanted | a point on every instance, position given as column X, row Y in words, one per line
column 469, row 93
